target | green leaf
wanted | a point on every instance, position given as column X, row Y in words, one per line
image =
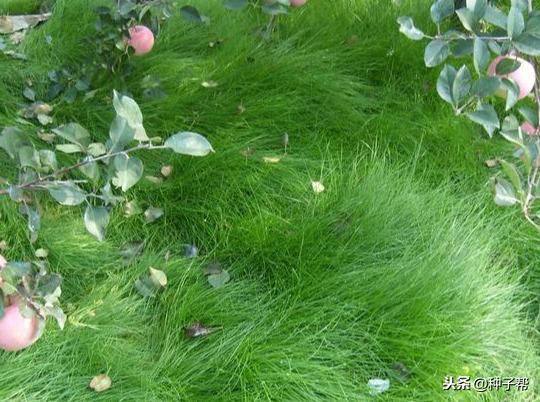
column 516, row 22
column 187, row 143
column 512, row 92
column 34, row 219
column 496, row 17
column 478, row 7
column 90, row 169
column 445, row 83
column 528, row 44
column 15, row 193
column 441, row 9
column 436, row 53
column 486, row 116
column 529, row 114
column 129, row 110
column 507, row 66
column 191, row 14
column 19, row 269
column 29, row 157
column 407, row 28
column 467, row 18
column 74, row 133
column 12, row 139
column 533, row 25
column 29, row 94
column 129, row 171
column 97, row 149
column 48, row 159
column 219, row 280
column 481, row 55
column 275, row 8
column 121, row 134
column 67, row 193
column 49, row 283
column 130, row 250
column 146, row 287
column 504, row 193
column 96, row 220
column 462, row 47
column 69, row 148
column 236, row 4
column 512, row 173
column 108, row 196
column 486, row 86
column 462, row 84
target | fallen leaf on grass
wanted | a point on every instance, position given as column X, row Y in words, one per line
column 209, row 84
column 241, row 108
column 3, row 245
column 212, row 268
column 154, row 179
column 271, row 159
column 132, row 208
column 14, row 23
column 166, row 170
column 491, row 163
column 197, row 329
column 190, row 251
column 130, row 250
column 42, row 253
column 158, row 277
column 317, row 187
column 378, row 386
column 215, row 274
column 402, row 371
column 152, row 214
column 101, row 383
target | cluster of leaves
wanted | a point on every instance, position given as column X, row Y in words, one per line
column 36, row 291
column 102, row 167
column 487, row 31
column 110, row 42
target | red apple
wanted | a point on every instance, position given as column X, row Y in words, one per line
column 524, row 76
column 141, row 39
column 18, row 332
column 298, row 3
column 528, row 128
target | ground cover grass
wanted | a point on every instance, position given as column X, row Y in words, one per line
column 402, row 259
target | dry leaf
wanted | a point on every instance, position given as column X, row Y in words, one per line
column 152, row 214
column 154, row 179
column 3, row 245
column 241, row 108
column 158, row 277
column 132, row 208
column 491, row 163
column 17, row 37
column 317, row 186
column 47, row 137
column 101, row 383
column 209, row 84
column 197, row 329
column 42, row 253
column 271, row 159
column 166, row 170
column 247, row 152
column 14, row 23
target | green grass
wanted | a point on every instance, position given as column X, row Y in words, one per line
column 402, row 259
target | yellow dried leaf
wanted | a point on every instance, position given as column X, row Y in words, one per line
column 271, row 159
column 317, row 186
column 101, row 383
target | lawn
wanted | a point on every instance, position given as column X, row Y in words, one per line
column 402, row 262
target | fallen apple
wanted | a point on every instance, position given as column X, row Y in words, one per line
column 141, row 39
column 528, row 128
column 524, row 76
column 18, row 332
column 298, row 3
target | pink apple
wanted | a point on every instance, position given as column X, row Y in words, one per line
column 298, row 3
column 17, row 332
column 528, row 128
column 141, row 39
column 524, row 76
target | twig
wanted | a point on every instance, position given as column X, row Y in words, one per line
column 43, row 180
